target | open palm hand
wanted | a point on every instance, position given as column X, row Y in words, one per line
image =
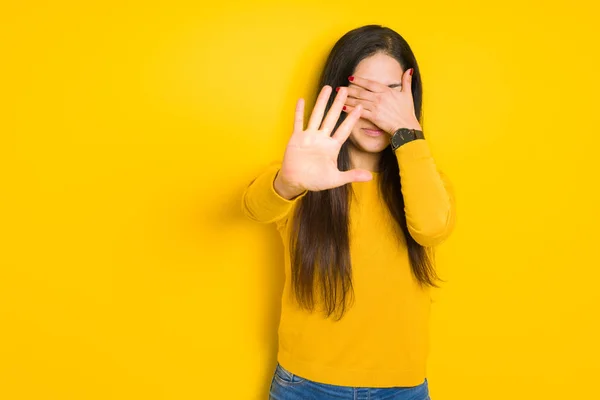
column 310, row 159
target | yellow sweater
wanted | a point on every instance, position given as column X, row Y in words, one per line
column 383, row 339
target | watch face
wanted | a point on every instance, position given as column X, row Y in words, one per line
column 401, row 136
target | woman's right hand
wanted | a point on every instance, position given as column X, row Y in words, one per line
column 310, row 159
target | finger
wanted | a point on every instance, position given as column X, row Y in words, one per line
column 334, row 112
column 368, row 84
column 317, row 114
column 359, row 93
column 299, row 116
column 367, row 114
column 343, row 131
column 407, row 80
column 367, row 105
column 354, row 175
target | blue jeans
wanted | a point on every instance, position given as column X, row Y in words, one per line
column 288, row 386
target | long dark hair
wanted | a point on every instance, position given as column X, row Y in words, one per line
column 319, row 240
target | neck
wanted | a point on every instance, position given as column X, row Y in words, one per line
column 362, row 159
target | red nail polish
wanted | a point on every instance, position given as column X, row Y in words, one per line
column 337, row 89
column 351, row 78
column 411, row 71
column 344, row 108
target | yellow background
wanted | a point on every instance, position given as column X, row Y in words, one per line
column 129, row 130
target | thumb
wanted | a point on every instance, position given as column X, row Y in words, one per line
column 355, row 175
column 407, row 80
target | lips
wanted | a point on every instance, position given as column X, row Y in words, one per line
column 372, row 132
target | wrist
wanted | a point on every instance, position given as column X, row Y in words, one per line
column 411, row 125
column 415, row 126
column 403, row 136
column 286, row 189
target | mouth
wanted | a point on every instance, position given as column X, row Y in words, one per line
column 372, row 132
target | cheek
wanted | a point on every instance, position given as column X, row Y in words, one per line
column 355, row 133
column 356, row 129
column 359, row 124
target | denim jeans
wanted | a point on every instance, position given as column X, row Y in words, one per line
column 288, row 386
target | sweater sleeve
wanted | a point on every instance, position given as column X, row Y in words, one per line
column 429, row 202
column 260, row 201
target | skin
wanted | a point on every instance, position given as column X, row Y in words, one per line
column 383, row 89
column 378, row 97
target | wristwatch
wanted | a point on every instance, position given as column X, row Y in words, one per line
column 405, row 135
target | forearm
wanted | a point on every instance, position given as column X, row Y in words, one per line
column 428, row 196
column 262, row 202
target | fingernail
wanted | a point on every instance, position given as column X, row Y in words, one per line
column 351, row 78
column 344, row 108
column 337, row 89
column 411, row 71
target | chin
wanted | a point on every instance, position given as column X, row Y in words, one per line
column 370, row 144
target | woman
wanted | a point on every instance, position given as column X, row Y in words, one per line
column 359, row 204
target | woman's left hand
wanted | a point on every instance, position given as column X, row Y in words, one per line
column 389, row 109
